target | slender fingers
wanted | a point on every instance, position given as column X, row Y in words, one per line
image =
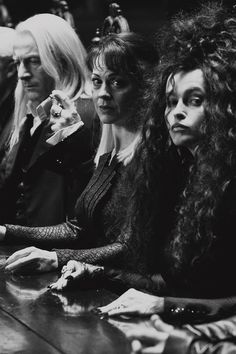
column 145, row 335
column 70, row 267
column 19, row 254
column 157, row 349
column 161, row 325
column 136, row 346
column 19, row 263
column 69, row 272
column 60, row 284
column 120, row 311
column 109, row 307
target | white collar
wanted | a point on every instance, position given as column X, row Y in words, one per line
column 42, row 113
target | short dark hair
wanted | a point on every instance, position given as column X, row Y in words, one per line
column 128, row 53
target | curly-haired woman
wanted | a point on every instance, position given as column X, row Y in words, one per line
column 185, row 197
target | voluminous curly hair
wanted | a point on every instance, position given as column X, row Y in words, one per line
column 204, row 39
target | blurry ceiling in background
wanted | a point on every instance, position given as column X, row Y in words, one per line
column 144, row 16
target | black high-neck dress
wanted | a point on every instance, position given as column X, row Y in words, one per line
column 96, row 234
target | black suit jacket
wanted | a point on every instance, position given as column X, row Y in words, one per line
column 43, row 180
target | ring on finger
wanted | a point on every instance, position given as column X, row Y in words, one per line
column 66, row 269
column 120, row 307
column 57, row 112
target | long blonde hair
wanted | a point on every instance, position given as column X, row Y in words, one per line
column 63, row 57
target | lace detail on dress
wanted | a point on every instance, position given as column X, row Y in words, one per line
column 66, row 233
column 101, row 213
column 109, row 254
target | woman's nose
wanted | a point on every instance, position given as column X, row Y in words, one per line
column 179, row 110
column 104, row 90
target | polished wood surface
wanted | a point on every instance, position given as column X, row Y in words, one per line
column 35, row 320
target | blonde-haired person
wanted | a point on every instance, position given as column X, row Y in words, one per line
column 62, row 56
column 120, row 66
column 39, row 187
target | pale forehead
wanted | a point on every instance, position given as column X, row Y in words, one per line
column 182, row 81
column 25, row 44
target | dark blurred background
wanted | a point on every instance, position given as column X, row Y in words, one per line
column 143, row 16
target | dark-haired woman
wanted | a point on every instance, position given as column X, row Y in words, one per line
column 120, row 65
column 194, row 98
column 186, row 195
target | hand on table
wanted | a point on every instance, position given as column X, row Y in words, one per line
column 150, row 340
column 134, row 302
column 32, row 260
column 74, row 271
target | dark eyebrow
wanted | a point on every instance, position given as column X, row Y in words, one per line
column 193, row 89
column 188, row 91
column 110, row 76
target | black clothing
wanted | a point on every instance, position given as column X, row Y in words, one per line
column 202, row 290
column 95, row 236
column 42, row 182
column 208, row 277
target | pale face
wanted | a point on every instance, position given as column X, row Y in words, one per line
column 184, row 113
column 36, row 82
column 113, row 96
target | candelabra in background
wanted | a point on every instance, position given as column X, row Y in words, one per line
column 5, row 18
column 115, row 22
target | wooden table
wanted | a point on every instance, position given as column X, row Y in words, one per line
column 34, row 320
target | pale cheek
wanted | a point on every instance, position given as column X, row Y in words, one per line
column 198, row 121
column 94, row 96
column 40, row 72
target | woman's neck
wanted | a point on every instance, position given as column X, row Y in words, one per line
column 122, row 138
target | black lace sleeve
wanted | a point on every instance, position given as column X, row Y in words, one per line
column 60, row 235
column 113, row 253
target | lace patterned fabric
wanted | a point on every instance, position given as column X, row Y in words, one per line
column 91, row 237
